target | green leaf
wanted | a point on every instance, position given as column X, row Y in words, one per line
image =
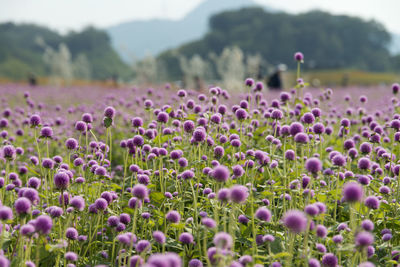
column 107, row 122
column 157, row 196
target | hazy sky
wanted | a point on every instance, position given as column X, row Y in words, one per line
column 65, row 15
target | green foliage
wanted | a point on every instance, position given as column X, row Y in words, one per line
column 21, row 52
column 328, row 41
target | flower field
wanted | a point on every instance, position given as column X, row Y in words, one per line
column 162, row 177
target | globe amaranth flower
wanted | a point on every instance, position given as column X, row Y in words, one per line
column 43, row 224
column 22, row 205
column 223, row 240
column 61, row 180
column 329, row 260
column 295, row 220
column 238, row 194
column 372, row 202
column 173, row 216
column 352, row 192
column 313, row 165
column 140, row 191
column 298, row 56
column 364, row 239
column 186, row 238
column 220, row 173
column 71, row 144
column 263, row 214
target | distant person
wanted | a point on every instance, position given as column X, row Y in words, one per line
column 198, row 83
column 275, row 80
column 32, row 80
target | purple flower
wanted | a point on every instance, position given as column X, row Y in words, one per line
column 186, row 238
column 162, row 117
column 109, row 112
column 43, row 224
column 159, row 237
column 313, row 165
column 78, row 203
column 22, row 205
column 34, row 120
column 208, row 222
column 6, row 213
column 352, row 192
column 329, row 260
column 61, row 180
column 46, row 132
column 173, row 216
column 364, row 239
column 295, row 220
column 223, row 240
column 71, row 233
column 263, row 214
column 298, row 56
column 135, row 261
column 101, row 204
column 140, row 191
column 220, row 173
column 241, row 114
column 143, row 245
column 238, row 194
column 372, row 202
column 71, row 256
column 195, row 263
column 71, row 143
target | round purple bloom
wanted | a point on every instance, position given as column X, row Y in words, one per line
column 6, row 213
column 34, row 120
column 352, row 192
column 143, row 245
column 367, row 225
column 22, row 205
column 263, row 214
column 71, row 233
column 159, row 237
column 220, row 173
column 195, row 263
column 313, row 165
column 364, row 239
column 313, row 263
column 295, row 220
column 173, row 216
column 298, row 56
column 238, row 194
column 61, row 180
column 109, row 112
column 71, row 256
column 78, row 203
column 329, row 260
column 101, row 204
column 43, row 224
column 372, row 202
column 140, row 191
column 71, row 143
column 162, row 117
column 223, row 240
column 241, row 114
column 301, row 138
column 208, row 222
column 186, row 238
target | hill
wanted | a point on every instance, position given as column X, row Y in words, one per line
column 135, row 39
column 21, row 53
column 328, row 41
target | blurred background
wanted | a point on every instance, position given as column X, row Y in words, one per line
column 193, row 43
